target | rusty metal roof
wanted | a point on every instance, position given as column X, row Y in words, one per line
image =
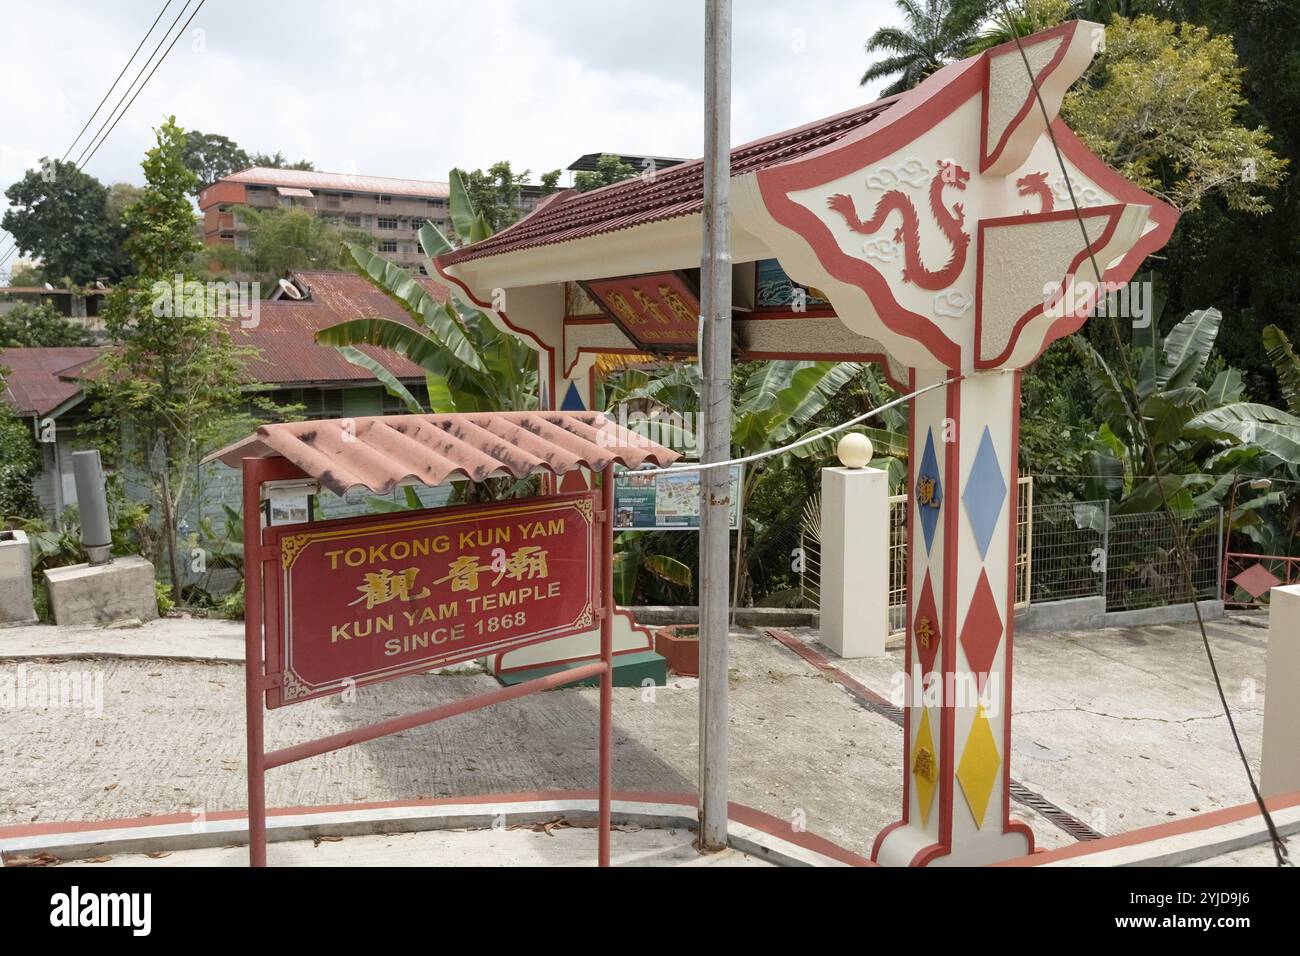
column 41, row 379
column 383, row 451
column 672, row 192
column 285, row 336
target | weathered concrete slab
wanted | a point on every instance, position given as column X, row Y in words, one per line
column 83, row 594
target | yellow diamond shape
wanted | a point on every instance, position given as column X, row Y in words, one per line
column 925, row 767
column 979, row 766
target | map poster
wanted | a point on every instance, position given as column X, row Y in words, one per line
column 665, row 501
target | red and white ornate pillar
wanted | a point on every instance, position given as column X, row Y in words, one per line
column 946, row 231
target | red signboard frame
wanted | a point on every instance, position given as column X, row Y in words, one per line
column 265, row 676
column 422, row 621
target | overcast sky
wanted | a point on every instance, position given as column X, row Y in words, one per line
column 410, row 89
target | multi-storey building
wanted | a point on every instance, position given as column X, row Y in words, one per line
column 391, row 210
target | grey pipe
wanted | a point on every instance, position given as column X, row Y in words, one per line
column 92, row 504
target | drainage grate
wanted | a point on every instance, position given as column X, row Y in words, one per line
column 1061, row 818
column 870, row 700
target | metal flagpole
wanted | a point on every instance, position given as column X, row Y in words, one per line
column 715, row 368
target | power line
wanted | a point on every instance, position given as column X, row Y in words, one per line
column 98, row 140
column 107, row 93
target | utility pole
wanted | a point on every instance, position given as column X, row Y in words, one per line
column 715, row 368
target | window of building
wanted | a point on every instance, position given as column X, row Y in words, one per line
column 384, row 200
column 352, row 220
column 437, row 202
column 388, row 245
column 387, row 222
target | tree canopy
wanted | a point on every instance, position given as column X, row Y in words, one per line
column 61, row 214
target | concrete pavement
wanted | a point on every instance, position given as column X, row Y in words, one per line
column 1121, row 728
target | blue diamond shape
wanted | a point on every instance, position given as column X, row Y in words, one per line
column 927, row 508
column 572, row 400
column 985, row 492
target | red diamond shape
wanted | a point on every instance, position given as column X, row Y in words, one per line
column 926, row 619
column 982, row 632
column 1256, row 579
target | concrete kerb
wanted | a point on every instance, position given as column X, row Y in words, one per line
column 76, row 841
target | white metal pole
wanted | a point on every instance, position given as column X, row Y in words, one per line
column 715, row 368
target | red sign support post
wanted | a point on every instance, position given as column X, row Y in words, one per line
column 265, row 633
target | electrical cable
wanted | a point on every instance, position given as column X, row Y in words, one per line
column 815, row 436
column 8, row 254
column 84, row 159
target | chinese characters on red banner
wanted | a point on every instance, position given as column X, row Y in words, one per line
column 368, row 599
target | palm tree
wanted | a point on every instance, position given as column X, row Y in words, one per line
column 936, row 33
column 1027, row 16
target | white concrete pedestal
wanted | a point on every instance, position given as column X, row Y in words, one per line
column 1280, row 761
column 15, row 579
column 855, row 561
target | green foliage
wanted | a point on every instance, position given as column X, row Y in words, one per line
column 278, row 160
column 1203, row 433
column 935, row 33
column 470, row 364
column 58, row 545
column 40, row 325
column 27, row 274
column 642, row 574
column 173, row 389
column 20, row 464
column 1027, row 16
column 1163, row 107
column 493, row 194
column 61, row 214
column 283, row 239
column 774, row 404
column 163, row 592
column 550, row 182
column 1286, row 364
column 211, row 156
column 609, row 169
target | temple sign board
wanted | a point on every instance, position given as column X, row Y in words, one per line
column 946, row 239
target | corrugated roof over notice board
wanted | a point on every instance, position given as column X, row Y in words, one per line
column 384, row 451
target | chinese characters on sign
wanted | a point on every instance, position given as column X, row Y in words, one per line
column 659, row 312
column 368, row 599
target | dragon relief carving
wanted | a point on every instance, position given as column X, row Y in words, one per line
column 1035, row 184
column 908, row 233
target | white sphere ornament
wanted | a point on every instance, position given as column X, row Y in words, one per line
column 854, row 450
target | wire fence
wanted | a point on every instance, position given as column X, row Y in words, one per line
column 1143, row 566
column 1077, row 549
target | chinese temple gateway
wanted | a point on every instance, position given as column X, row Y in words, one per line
column 938, row 233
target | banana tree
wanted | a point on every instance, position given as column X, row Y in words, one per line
column 775, row 404
column 1205, row 436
